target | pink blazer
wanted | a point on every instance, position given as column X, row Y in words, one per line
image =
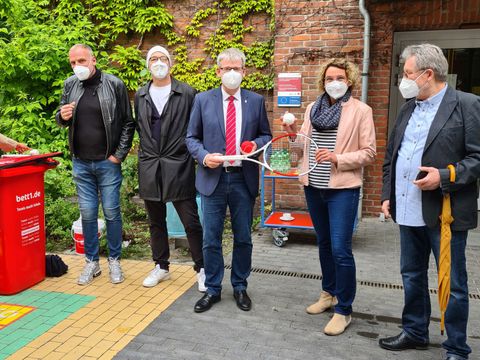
column 355, row 146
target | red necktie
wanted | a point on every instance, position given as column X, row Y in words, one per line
column 230, row 128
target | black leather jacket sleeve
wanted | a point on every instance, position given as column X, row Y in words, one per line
column 116, row 113
column 127, row 129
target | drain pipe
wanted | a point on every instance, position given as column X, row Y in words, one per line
column 365, row 66
column 366, row 49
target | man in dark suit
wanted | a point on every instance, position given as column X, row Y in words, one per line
column 221, row 119
column 438, row 127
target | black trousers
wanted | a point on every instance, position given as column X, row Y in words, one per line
column 188, row 213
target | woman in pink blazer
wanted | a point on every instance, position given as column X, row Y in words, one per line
column 343, row 129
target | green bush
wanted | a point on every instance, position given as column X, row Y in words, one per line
column 59, row 217
column 35, row 36
column 61, row 208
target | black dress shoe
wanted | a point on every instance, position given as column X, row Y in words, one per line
column 401, row 342
column 243, row 301
column 206, row 302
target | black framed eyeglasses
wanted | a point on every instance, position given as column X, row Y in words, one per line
column 228, row 68
column 161, row 58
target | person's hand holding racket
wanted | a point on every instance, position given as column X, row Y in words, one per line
column 280, row 155
column 213, row 160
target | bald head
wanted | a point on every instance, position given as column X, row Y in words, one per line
column 81, row 46
column 82, row 55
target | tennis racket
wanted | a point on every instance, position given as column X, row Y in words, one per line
column 282, row 155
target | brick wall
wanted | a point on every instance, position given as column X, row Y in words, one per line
column 308, row 32
column 395, row 16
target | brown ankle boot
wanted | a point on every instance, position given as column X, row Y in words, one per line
column 325, row 302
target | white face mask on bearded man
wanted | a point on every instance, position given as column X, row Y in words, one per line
column 159, row 69
column 409, row 88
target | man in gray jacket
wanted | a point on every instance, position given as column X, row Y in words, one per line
column 96, row 109
column 166, row 170
column 433, row 150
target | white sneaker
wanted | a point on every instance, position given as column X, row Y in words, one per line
column 90, row 271
column 201, row 280
column 155, row 276
column 116, row 273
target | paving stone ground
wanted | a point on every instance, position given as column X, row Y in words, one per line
column 278, row 328
column 68, row 321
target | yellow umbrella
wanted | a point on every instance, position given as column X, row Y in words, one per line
column 445, row 261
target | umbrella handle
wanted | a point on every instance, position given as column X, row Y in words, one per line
column 453, row 174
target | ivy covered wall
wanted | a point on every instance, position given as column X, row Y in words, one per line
column 35, row 36
column 199, row 30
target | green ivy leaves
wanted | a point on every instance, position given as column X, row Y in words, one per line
column 146, row 19
column 35, row 37
column 129, row 64
column 230, row 33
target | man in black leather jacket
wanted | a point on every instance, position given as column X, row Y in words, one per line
column 96, row 109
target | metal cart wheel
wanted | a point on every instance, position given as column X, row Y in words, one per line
column 280, row 236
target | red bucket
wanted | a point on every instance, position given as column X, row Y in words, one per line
column 79, row 243
column 77, row 235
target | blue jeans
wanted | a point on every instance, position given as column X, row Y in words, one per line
column 416, row 244
column 231, row 191
column 333, row 215
column 92, row 178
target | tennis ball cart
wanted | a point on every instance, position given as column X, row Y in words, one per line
column 278, row 220
column 281, row 160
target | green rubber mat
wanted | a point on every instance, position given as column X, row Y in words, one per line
column 29, row 314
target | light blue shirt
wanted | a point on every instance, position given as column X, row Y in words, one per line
column 408, row 195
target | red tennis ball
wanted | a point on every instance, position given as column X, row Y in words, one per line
column 247, row 146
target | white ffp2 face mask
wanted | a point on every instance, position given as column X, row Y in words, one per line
column 409, row 88
column 159, row 69
column 336, row 89
column 232, row 79
column 82, row 72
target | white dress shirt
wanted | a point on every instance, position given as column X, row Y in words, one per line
column 238, row 122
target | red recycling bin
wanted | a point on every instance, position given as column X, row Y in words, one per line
column 22, row 221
